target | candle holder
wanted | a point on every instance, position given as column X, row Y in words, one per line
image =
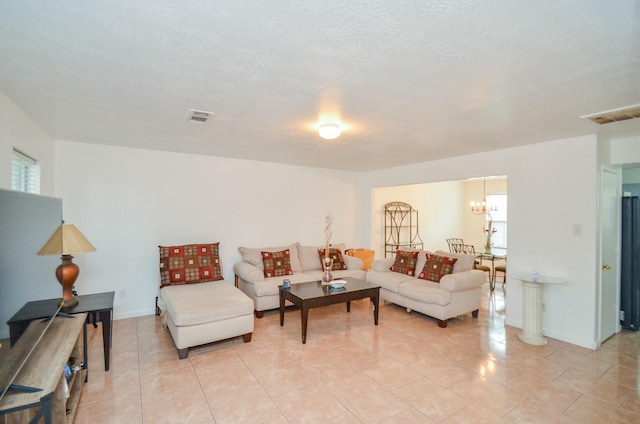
column 327, row 278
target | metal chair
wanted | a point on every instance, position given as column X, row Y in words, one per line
column 469, row 249
column 503, row 270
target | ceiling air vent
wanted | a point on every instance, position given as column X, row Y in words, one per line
column 198, row 116
column 615, row 115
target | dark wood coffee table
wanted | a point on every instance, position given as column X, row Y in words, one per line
column 313, row 294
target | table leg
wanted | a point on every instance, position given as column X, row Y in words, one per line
column 281, row 309
column 376, row 302
column 304, row 316
column 17, row 329
column 493, row 273
column 105, row 318
column 85, row 350
column 348, row 306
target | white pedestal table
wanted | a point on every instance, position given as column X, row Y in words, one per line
column 532, row 306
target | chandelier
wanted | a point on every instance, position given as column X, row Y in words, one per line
column 480, row 208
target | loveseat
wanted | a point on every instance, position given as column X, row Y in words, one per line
column 304, row 263
column 456, row 293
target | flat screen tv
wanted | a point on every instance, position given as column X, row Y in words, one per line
column 26, row 223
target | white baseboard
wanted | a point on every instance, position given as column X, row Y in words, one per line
column 134, row 314
column 578, row 342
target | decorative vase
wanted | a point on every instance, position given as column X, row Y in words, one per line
column 489, row 232
column 487, row 245
column 327, row 264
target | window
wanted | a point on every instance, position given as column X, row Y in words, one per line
column 25, row 173
column 499, row 201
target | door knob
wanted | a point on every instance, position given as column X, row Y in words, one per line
column 606, row 266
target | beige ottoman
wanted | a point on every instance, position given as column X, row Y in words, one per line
column 202, row 313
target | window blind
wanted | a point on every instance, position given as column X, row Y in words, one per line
column 25, row 173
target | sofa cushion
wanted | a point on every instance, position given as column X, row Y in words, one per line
column 405, row 262
column 436, row 267
column 352, row 263
column 425, row 291
column 206, row 302
column 189, row 264
column 388, row 280
column 254, row 256
column 464, row 280
column 463, row 263
column 269, row 286
column 420, row 259
column 309, row 256
column 382, row 265
column 336, row 255
column 277, row 264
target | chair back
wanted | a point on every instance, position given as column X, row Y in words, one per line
column 467, row 249
column 455, row 245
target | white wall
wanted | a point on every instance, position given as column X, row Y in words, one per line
column 551, row 186
column 129, row 201
column 625, row 151
column 19, row 131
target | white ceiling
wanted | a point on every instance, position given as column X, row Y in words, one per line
column 411, row 80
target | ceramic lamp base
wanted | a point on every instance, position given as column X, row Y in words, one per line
column 67, row 273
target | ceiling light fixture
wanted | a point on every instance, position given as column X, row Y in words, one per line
column 329, row 131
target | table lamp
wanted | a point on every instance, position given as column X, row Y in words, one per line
column 67, row 240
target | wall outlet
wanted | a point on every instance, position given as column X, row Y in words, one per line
column 122, row 293
column 544, row 307
column 576, row 229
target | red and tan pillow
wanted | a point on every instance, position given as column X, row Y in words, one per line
column 405, row 262
column 336, row 255
column 189, row 264
column 277, row 264
column 437, row 267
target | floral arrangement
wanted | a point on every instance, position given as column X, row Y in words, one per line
column 328, row 220
column 489, row 231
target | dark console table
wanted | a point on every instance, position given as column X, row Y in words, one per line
column 99, row 307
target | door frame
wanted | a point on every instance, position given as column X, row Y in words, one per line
column 618, row 174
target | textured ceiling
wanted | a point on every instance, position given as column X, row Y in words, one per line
column 411, row 80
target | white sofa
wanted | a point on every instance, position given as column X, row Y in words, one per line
column 456, row 294
column 305, row 264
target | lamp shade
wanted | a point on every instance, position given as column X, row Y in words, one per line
column 66, row 240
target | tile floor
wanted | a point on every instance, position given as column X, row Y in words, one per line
column 406, row 370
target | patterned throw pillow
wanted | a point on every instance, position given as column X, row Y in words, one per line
column 277, row 264
column 189, row 264
column 336, row 255
column 437, row 267
column 405, row 262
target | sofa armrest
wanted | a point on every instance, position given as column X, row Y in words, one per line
column 248, row 272
column 382, row 264
column 352, row 262
column 463, row 280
